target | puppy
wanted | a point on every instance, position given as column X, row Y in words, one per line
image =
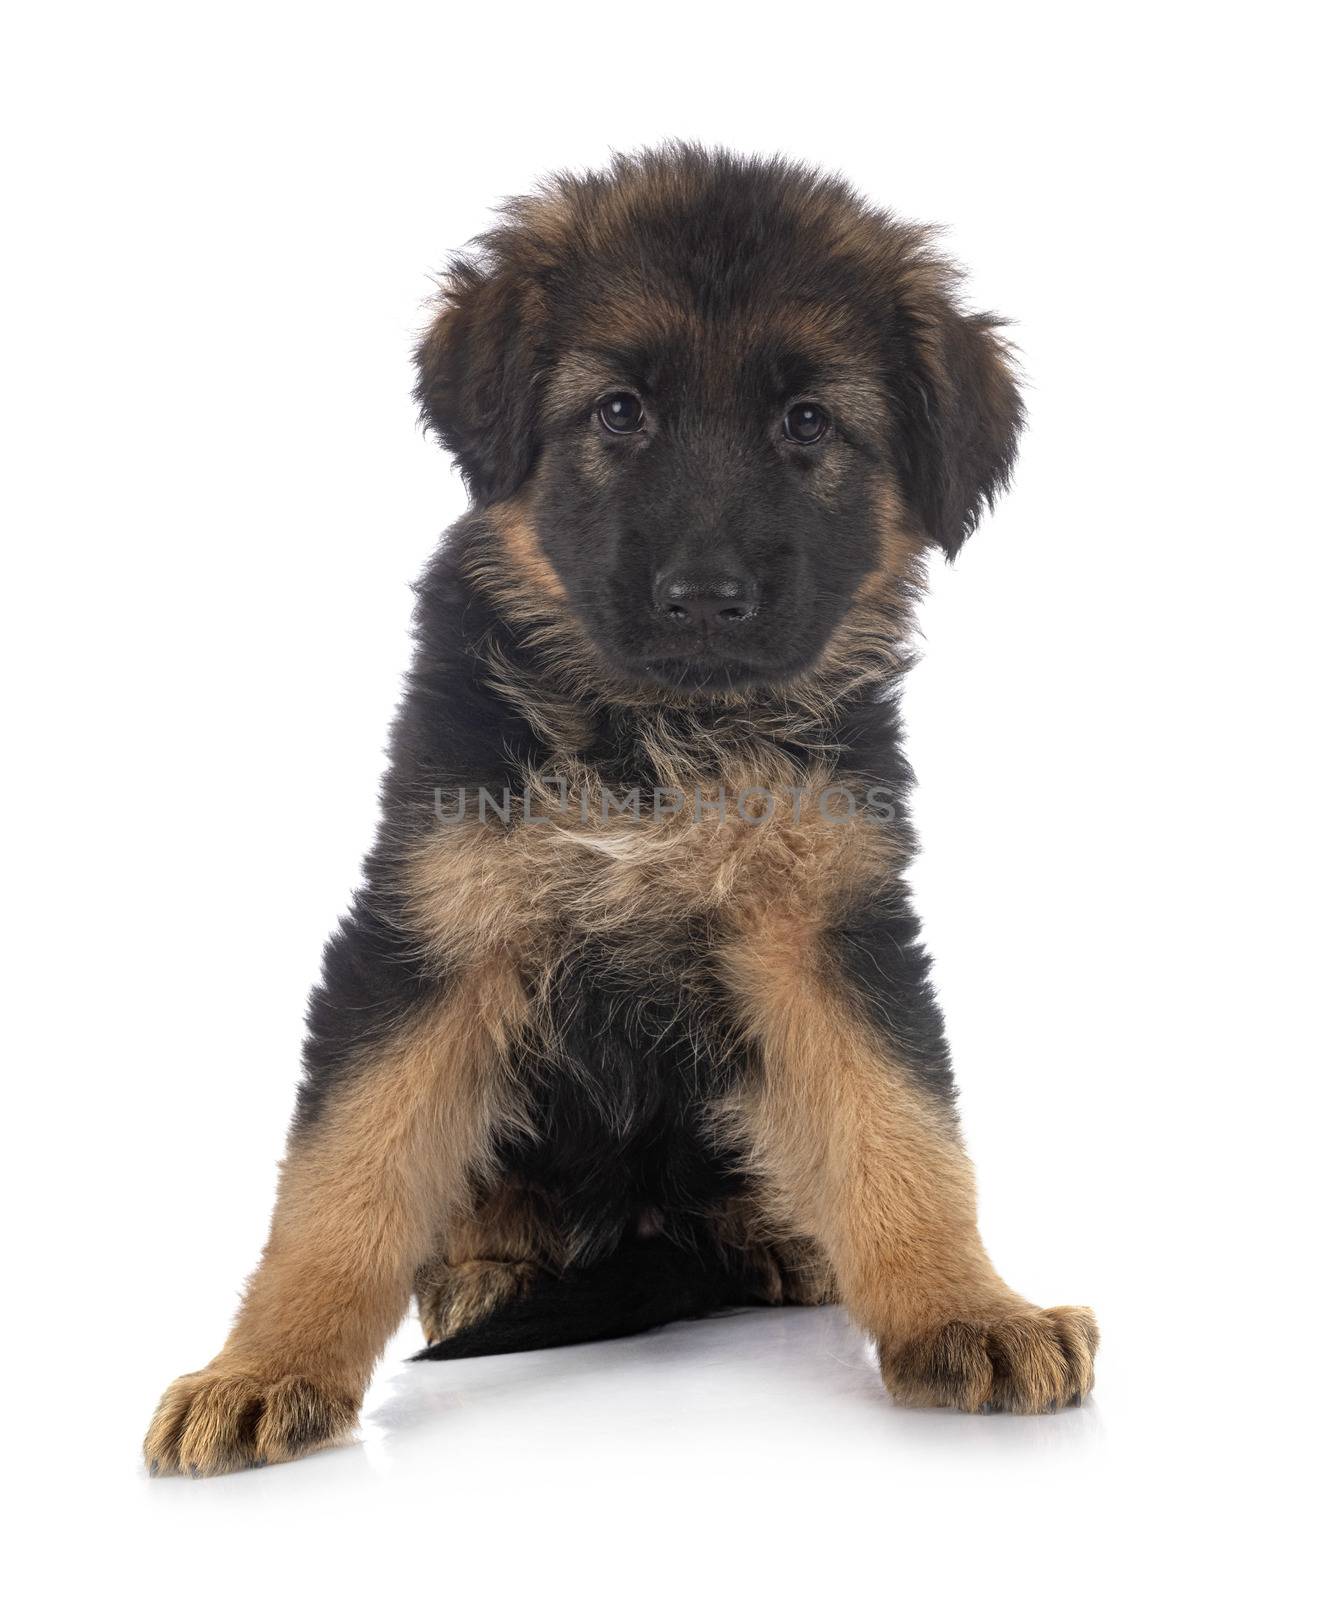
column 630, row 1019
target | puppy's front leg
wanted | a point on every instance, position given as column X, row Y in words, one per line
column 861, row 1154
column 363, row 1189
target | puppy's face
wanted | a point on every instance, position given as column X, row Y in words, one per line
column 726, row 396
column 707, row 487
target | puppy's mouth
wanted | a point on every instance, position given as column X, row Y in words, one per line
column 703, row 673
column 702, row 668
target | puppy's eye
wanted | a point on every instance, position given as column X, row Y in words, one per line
column 621, row 413
column 806, row 422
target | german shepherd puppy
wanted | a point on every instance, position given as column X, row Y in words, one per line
column 630, row 1019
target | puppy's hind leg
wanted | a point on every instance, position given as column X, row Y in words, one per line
column 487, row 1258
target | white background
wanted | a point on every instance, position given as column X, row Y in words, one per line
column 219, row 223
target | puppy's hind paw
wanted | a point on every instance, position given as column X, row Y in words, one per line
column 1026, row 1361
column 221, row 1420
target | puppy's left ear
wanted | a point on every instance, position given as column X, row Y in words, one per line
column 477, row 375
column 960, row 417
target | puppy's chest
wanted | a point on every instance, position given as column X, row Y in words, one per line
column 639, row 868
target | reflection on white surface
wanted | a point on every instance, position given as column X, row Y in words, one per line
column 728, row 1404
column 754, row 1449
column 749, row 1377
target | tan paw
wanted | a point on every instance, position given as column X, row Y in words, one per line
column 454, row 1298
column 1025, row 1361
column 220, row 1420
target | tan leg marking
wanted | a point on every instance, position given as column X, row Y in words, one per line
column 451, row 1298
column 362, row 1194
column 491, row 1254
column 859, row 1158
column 793, row 1269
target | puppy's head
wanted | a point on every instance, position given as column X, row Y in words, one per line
column 723, row 397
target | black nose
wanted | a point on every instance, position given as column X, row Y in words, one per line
column 712, row 599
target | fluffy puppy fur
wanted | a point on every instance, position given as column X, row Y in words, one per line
column 630, row 1019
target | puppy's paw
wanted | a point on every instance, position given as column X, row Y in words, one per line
column 222, row 1419
column 454, row 1298
column 1026, row 1361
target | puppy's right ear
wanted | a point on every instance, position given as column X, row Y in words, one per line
column 476, row 375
